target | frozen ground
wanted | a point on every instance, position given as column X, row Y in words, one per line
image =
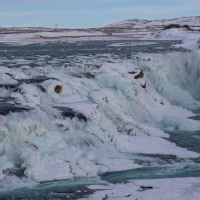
column 82, row 109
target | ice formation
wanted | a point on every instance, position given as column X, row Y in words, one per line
column 80, row 124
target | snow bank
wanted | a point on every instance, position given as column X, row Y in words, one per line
column 165, row 189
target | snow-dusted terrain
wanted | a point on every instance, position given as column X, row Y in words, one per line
column 66, row 114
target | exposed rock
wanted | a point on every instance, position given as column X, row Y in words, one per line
column 10, row 104
column 140, row 75
column 198, row 43
column 58, row 89
column 105, row 99
column 83, row 75
column 144, row 85
column 143, row 188
column 70, row 113
column 17, row 171
column 137, row 74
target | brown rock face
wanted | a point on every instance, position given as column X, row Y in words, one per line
column 58, row 89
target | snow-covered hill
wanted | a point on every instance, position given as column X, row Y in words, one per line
column 193, row 22
column 139, row 29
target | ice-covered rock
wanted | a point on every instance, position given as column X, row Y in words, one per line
column 83, row 125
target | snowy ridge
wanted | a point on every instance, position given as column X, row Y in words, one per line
column 154, row 30
column 137, row 23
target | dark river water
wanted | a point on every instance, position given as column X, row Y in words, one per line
column 65, row 54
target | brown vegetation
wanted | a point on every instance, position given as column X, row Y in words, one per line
column 186, row 27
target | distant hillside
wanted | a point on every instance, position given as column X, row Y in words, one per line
column 193, row 22
column 138, row 29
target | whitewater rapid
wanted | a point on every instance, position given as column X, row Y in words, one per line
column 60, row 122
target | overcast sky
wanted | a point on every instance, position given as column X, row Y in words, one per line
column 90, row 13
